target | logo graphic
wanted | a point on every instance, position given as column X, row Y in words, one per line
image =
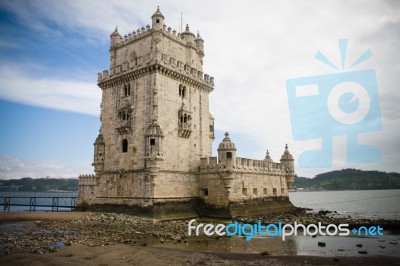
column 339, row 104
column 283, row 230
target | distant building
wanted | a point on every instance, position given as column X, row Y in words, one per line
column 154, row 149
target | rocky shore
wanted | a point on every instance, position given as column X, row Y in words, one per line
column 109, row 229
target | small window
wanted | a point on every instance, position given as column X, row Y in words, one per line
column 229, row 155
column 124, row 145
column 254, row 191
column 152, row 142
column 182, row 91
column 274, row 192
column 127, row 89
column 211, row 128
column 244, row 191
column 265, row 191
column 282, row 191
column 204, row 192
column 157, row 21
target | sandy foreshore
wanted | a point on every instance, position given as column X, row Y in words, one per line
column 78, row 238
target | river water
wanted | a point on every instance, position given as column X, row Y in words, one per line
column 372, row 204
column 41, row 198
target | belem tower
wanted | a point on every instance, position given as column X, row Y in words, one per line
column 153, row 154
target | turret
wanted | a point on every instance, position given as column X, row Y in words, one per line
column 154, row 138
column 199, row 44
column 268, row 160
column 188, row 36
column 287, row 163
column 157, row 20
column 227, row 151
column 99, row 150
column 115, row 37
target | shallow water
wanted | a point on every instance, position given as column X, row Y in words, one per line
column 371, row 204
column 294, row 245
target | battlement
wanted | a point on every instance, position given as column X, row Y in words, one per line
column 145, row 31
column 87, row 180
column 241, row 164
column 162, row 59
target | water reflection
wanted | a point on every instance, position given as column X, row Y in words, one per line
column 274, row 245
column 389, row 245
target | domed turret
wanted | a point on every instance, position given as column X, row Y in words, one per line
column 287, row 162
column 154, row 138
column 157, row 20
column 99, row 139
column 115, row 37
column 286, row 154
column 227, row 151
column 98, row 161
column 268, row 158
column 199, row 44
column 188, row 36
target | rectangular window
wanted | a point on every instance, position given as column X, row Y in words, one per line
column 229, row 155
column 204, row 192
column 152, row 142
column 274, row 191
column 265, row 191
column 254, row 191
column 124, row 145
column 282, row 191
column 244, row 191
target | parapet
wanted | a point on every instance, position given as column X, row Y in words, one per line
column 87, row 180
column 161, row 59
column 208, row 164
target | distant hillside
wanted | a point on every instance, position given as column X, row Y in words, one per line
column 352, row 179
column 39, row 184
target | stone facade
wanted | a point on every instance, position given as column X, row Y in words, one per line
column 155, row 142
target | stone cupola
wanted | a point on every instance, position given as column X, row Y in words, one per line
column 157, row 20
column 268, row 158
column 287, row 163
column 154, row 136
column 227, row 150
column 99, row 149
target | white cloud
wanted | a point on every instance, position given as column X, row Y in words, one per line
column 14, row 168
column 251, row 49
column 51, row 92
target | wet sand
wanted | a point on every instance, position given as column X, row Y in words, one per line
column 128, row 255
column 118, row 248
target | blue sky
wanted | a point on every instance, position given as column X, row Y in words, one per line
column 51, row 51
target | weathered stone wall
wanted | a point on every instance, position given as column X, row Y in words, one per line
column 241, row 186
column 173, row 184
column 195, row 103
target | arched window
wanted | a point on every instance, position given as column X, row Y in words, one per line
column 124, row 145
column 127, row 89
column 182, row 91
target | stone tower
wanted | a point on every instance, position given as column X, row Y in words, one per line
column 153, row 153
column 154, row 102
